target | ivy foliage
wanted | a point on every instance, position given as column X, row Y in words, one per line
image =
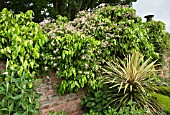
column 20, row 43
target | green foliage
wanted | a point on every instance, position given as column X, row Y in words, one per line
column 119, row 29
column 166, row 41
column 129, row 109
column 20, row 42
column 74, row 58
column 95, row 101
column 57, row 113
column 116, row 30
column 75, row 50
column 164, row 90
column 156, row 32
column 131, row 80
column 164, row 100
column 50, row 8
column 57, row 28
column 41, row 9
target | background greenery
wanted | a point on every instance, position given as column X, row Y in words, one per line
column 50, row 8
column 77, row 50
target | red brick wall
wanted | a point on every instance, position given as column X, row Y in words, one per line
column 50, row 100
column 2, row 66
column 70, row 103
column 166, row 67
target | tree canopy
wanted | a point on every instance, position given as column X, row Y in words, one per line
column 50, row 8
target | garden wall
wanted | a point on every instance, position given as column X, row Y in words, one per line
column 166, row 68
column 50, row 100
column 70, row 103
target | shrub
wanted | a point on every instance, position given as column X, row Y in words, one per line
column 20, row 43
column 55, row 27
column 74, row 59
column 129, row 109
column 120, row 31
column 95, row 101
column 131, row 80
column 156, row 33
column 117, row 29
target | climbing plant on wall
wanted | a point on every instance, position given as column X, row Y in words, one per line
column 118, row 29
column 20, row 42
column 74, row 59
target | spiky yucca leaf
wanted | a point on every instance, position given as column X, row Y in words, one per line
column 131, row 79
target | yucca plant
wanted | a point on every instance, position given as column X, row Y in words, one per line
column 131, row 80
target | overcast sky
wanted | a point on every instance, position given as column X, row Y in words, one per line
column 159, row 8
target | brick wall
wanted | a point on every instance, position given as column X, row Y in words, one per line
column 50, row 100
column 2, row 65
column 70, row 103
column 166, row 67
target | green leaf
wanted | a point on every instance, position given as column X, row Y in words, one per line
column 16, row 97
column 21, row 59
column 72, row 85
column 18, row 113
column 32, row 64
column 63, row 55
column 11, row 107
column 4, row 109
column 8, row 49
column 77, row 84
column 118, row 14
column 90, row 104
